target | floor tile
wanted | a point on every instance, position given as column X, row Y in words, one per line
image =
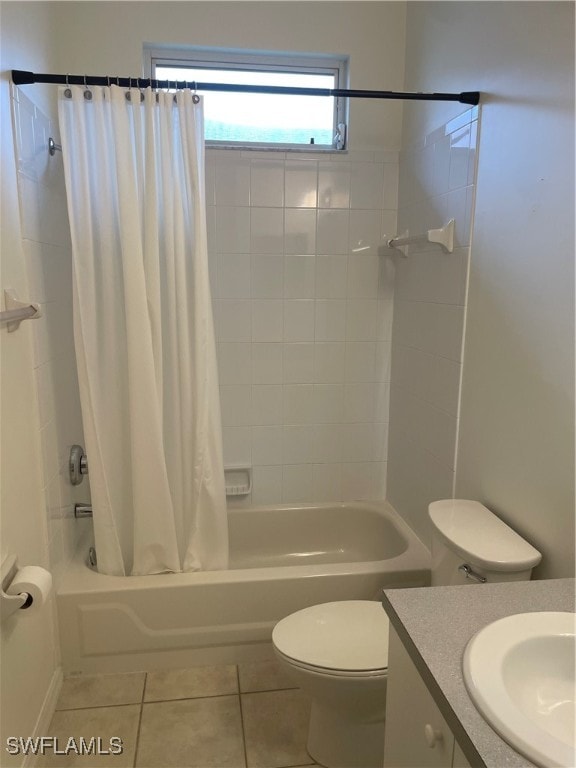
column 101, row 690
column 103, row 722
column 276, row 728
column 191, row 683
column 263, row 676
column 192, row 733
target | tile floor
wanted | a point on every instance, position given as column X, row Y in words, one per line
column 236, row 716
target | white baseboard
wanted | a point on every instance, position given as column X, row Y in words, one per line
column 46, row 713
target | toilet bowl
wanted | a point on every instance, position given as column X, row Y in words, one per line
column 338, row 654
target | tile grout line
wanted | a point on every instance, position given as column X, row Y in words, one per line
column 181, row 698
column 241, row 716
column 136, row 746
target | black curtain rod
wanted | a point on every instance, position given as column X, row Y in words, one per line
column 21, row 77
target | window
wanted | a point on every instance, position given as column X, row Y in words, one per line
column 261, row 120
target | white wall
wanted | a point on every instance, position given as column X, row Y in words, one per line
column 30, row 655
column 107, row 38
column 516, row 447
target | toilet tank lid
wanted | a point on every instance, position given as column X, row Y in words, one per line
column 477, row 534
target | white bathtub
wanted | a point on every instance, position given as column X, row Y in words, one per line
column 281, row 559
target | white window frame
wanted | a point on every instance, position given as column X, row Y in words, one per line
column 263, row 61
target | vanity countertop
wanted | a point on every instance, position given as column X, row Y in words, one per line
column 435, row 625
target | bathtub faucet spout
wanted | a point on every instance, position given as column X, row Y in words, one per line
column 82, row 510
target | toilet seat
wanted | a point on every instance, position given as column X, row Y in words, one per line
column 371, row 673
column 346, row 638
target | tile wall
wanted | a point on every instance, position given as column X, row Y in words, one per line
column 303, row 309
column 437, row 183
column 47, row 252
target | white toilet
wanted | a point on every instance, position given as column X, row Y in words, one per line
column 338, row 652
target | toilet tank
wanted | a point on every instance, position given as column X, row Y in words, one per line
column 471, row 545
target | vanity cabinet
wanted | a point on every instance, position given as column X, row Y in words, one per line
column 416, row 734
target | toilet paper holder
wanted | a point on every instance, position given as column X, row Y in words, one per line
column 9, row 604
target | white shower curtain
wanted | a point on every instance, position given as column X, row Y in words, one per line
column 143, row 328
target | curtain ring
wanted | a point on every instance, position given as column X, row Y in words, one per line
column 195, row 97
column 87, row 91
column 68, row 91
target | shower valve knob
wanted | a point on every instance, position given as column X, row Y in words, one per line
column 78, row 464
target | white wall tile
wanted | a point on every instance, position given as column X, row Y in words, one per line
column 234, row 362
column 328, row 443
column 384, row 320
column 333, row 185
column 232, row 229
column 232, row 182
column 459, row 157
column 329, row 403
column 358, row 442
column 296, row 483
column 298, row 316
column 299, row 320
column 267, row 485
column 390, row 193
column 49, row 270
column 357, row 481
column 330, row 324
column 301, row 184
column 237, row 445
column 333, row 231
column 45, row 392
column 267, row 445
column 361, row 319
column 380, row 441
column 233, row 318
column 382, row 408
column 359, row 402
column 300, row 231
column 298, row 363
column 267, row 183
column 299, row 277
column 267, row 276
column 363, row 275
column 266, row 404
column 267, row 320
column 326, row 482
column 473, row 152
column 383, row 361
column 331, row 277
column 360, row 365
column 235, row 404
column 365, row 229
column 441, row 164
column 267, row 363
column 233, row 276
column 329, row 358
column 210, row 182
column 298, row 444
column 367, row 185
column 299, row 404
column 266, row 230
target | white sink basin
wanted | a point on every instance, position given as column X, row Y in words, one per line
column 519, row 672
